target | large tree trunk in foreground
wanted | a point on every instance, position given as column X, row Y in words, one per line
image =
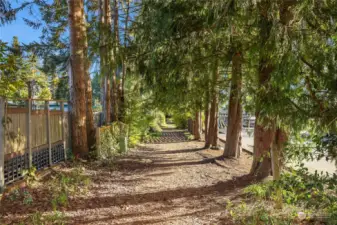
column 276, row 155
column 91, row 131
column 197, row 125
column 213, row 121
column 263, row 132
column 78, row 104
column 234, row 127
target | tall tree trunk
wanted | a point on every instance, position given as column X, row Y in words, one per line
column 78, row 104
column 115, row 68
column 122, row 103
column 234, row 110
column 207, row 116
column 90, row 115
column 197, row 125
column 102, row 57
column 216, row 125
column 213, row 121
column 207, row 142
column 263, row 134
column 276, row 156
column 105, row 27
column 108, row 57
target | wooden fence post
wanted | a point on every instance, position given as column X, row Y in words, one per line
column 63, row 131
column 48, row 132
column 2, row 144
column 29, row 133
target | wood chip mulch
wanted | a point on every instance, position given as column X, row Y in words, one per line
column 172, row 183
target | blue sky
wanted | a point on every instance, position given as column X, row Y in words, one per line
column 18, row 28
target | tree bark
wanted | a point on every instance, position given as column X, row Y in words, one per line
column 213, row 122
column 276, row 155
column 78, row 104
column 102, row 58
column 216, row 124
column 234, row 110
column 207, row 112
column 197, row 125
column 91, row 131
column 122, row 103
column 115, row 67
column 105, row 29
column 207, row 143
column 263, row 131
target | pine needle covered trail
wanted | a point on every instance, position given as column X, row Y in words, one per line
column 176, row 182
column 160, row 184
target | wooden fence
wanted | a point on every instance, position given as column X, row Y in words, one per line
column 32, row 133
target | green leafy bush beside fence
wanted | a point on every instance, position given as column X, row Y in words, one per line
column 112, row 140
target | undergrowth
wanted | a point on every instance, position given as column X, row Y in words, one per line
column 111, row 140
column 38, row 218
column 307, row 199
column 61, row 186
column 69, row 184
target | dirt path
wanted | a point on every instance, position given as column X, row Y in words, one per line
column 170, row 183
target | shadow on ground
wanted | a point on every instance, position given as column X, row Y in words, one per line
column 148, row 186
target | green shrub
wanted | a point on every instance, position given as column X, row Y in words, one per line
column 110, row 138
column 161, row 118
column 259, row 191
column 301, row 189
column 21, row 194
column 155, row 126
column 68, row 184
column 180, row 120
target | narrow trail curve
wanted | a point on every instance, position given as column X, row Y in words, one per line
column 168, row 183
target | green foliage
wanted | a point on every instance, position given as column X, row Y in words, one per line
column 260, row 213
column 62, row 88
column 316, row 194
column 111, row 137
column 68, row 184
column 29, row 175
column 189, row 136
column 21, row 194
column 259, row 191
column 19, row 69
column 39, row 219
column 141, row 115
column 161, row 118
column 96, row 87
column 155, row 124
column 180, row 119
